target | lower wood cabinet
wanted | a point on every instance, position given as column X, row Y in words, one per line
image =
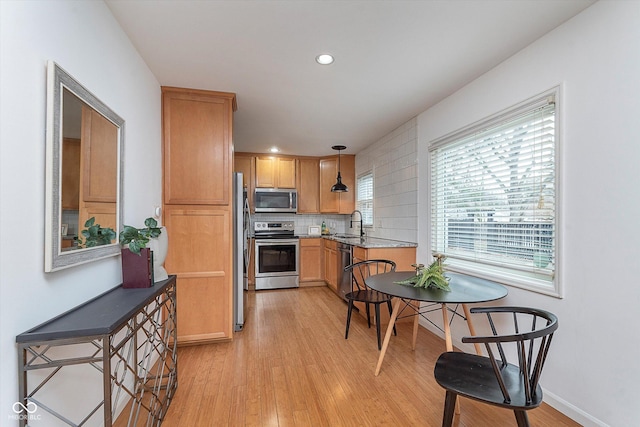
column 331, row 264
column 200, row 256
column 311, row 261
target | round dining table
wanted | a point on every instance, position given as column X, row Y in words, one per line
column 464, row 290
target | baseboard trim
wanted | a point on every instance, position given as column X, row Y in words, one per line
column 571, row 411
column 560, row 405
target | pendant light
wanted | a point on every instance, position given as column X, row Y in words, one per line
column 339, row 187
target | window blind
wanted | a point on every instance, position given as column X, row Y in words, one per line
column 364, row 202
column 493, row 194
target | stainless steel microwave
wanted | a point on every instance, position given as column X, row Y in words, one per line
column 276, row 200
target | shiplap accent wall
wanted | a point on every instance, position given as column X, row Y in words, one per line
column 393, row 161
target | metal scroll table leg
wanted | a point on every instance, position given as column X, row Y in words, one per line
column 387, row 336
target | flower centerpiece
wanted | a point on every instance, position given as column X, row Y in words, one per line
column 432, row 276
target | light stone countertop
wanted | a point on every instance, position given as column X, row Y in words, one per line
column 364, row 242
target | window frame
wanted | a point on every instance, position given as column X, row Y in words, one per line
column 365, row 175
column 553, row 286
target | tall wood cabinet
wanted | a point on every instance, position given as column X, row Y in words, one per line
column 197, row 159
column 98, row 185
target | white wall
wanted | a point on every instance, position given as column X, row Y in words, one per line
column 592, row 372
column 393, row 161
column 85, row 40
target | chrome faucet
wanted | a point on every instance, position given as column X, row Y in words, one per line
column 352, row 221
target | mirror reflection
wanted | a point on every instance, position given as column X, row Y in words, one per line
column 83, row 174
column 88, row 171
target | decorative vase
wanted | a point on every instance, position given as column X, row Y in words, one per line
column 159, row 246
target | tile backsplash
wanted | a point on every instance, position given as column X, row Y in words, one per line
column 336, row 223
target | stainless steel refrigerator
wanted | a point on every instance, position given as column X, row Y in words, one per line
column 241, row 251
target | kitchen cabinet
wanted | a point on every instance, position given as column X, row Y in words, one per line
column 246, row 164
column 98, row 185
column 197, row 135
column 200, row 255
column 308, row 185
column 311, row 265
column 70, row 197
column 340, row 203
column 331, row 264
column 403, row 257
column 275, row 172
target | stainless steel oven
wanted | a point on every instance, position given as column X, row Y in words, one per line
column 277, row 255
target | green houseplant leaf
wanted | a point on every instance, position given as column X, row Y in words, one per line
column 94, row 235
column 137, row 238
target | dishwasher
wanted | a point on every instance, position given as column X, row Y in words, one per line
column 345, row 256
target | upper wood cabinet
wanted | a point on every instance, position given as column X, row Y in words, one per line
column 308, row 185
column 245, row 164
column 275, row 172
column 197, row 135
column 341, row 203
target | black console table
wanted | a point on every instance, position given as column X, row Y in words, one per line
column 128, row 335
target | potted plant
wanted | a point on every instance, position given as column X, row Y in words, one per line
column 137, row 238
column 95, row 235
column 142, row 265
column 432, row 276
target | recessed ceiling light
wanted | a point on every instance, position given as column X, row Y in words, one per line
column 324, row 59
column 274, row 149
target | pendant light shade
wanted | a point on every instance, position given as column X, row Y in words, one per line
column 339, row 187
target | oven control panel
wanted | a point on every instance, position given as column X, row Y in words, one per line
column 271, row 226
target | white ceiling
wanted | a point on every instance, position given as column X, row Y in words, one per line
column 394, row 59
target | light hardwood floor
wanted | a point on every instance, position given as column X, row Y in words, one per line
column 291, row 366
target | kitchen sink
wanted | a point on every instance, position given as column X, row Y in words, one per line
column 345, row 236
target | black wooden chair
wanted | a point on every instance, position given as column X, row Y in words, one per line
column 519, row 332
column 361, row 293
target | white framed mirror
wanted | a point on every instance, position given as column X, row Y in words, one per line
column 84, row 164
